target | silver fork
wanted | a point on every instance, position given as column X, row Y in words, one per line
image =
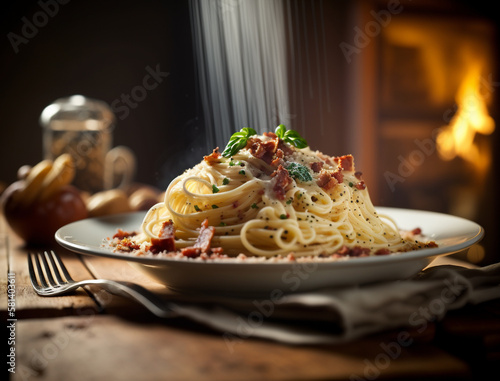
column 43, row 268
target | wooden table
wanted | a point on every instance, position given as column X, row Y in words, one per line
column 93, row 335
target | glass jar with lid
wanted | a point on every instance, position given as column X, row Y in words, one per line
column 83, row 128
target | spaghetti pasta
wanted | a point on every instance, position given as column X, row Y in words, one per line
column 267, row 197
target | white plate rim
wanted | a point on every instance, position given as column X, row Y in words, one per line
column 475, row 233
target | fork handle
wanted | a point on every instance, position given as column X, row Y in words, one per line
column 140, row 294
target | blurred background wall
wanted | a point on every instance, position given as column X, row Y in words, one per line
column 388, row 81
column 101, row 49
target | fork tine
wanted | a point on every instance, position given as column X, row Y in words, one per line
column 41, row 276
column 48, row 270
column 61, row 266
column 32, row 273
column 42, row 273
column 53, row 259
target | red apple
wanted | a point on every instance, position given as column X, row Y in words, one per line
column 37, row 223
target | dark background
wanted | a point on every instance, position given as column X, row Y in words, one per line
column 101, row 49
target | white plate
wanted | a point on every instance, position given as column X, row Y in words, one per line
column 453, row 234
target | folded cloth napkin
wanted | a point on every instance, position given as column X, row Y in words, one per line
column 340, row 315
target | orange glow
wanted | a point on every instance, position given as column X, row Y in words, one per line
column 471, row 118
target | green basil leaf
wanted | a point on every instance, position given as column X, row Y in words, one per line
column 290, row 136
column 249, row 131
column 238, row 141
column 299, row 172
column 280, row 131
column 293, row 137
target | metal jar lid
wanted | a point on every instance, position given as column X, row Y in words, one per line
column 77, row 113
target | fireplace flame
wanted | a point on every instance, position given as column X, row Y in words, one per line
column 458, row 138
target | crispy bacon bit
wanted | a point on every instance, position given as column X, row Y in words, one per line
column 323, row 179
column 282, row 181
column 191, row 251
column 165, row 240
column 270, row 151
column 217, row 250
column 359, row 252
column 361, row 185
column 287, row 150
column 346, row 162
column 326, row 181
column 281, row 144
column 263, row 150
column 203, row 242
column 120, row 234
column 126, row 244
column 344, row 250
column 205, row 236
column 270, row 135
column 358, row 175
column 278, row 160
column 317, row 166
column 338, row 175
column 416, row 231
column 214, row 157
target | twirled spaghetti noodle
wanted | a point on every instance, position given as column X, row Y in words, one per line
column 271, row 198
